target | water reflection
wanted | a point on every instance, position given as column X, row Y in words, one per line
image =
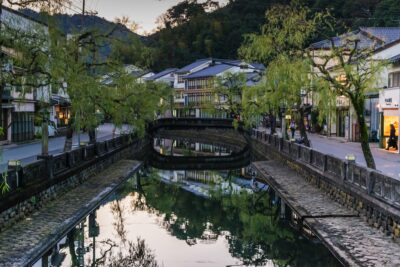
column 187, row 147
column 158, row 221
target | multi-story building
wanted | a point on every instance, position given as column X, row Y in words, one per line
column 194, row 85
column 21, row 103
column 18, row 102
column 384, row 44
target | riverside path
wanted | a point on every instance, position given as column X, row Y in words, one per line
column 388, row 162
column 23, row 243
column 346, row 235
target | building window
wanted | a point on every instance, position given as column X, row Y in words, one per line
column 394, row 79
column 180, row 78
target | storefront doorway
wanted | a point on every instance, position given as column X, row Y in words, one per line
column 342, row 122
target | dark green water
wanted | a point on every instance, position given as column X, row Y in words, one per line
column 160, row 224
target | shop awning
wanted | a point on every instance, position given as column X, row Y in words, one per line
column 56, row 99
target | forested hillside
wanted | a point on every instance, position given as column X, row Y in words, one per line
column 190, row 32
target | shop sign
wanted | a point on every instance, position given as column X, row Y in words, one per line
column 342, row 101
column 389, row 98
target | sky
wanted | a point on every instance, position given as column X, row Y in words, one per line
column 143, row 12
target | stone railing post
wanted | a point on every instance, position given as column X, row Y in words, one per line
column 325, row 163
column 370, row 182
column 49, row 162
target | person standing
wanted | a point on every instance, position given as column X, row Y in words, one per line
column 292, row 128
column 392, row 142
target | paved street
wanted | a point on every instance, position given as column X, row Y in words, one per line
column 28, row 152
column 386, row 161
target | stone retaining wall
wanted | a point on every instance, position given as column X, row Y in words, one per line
column 50, row 177
column 375, row 196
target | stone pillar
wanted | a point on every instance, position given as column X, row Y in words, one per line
column 49, row 161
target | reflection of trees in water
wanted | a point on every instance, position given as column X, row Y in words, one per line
column 256, row 234
column 119, row 222
column 134, row 254
column 138, row 256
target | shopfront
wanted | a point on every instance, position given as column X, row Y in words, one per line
column 342, row 117
column 60, row 113
column 389, row 100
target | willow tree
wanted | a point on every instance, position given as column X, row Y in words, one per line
column 128, row 101
column 82, row 71
column 349, row 70
column 228, row 92
column 280, row 46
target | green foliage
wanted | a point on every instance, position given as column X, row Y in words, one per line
column 280, row 46
column 228, row 92
column 287, row 31
column 206, row 34
column 4, row 186
column 249, row 222
column 132, row 102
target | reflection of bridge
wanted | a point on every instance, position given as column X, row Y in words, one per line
column 234, row 161
column 240, row 158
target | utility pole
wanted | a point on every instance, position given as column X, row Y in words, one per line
column 83, row 13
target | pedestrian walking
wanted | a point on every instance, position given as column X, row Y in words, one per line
column 292, row 128
column 392, row 142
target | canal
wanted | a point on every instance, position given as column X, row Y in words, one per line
column 177, row 218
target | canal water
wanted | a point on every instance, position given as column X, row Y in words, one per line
column 189, row 218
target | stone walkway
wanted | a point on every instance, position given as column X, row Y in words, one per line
column 345, row 234
column 387, row 162
column 21, row 244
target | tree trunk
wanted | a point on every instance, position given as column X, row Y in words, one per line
column 92, row 136
column 272, row 120
column 302, row 128
column 369, row 158
column 45, row 137
column 68, row 138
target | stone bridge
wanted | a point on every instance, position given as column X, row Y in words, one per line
column 218, row 132
column 187, row 123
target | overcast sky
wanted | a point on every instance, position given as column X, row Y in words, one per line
column 144, row 12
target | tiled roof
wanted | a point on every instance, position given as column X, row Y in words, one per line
column 395, row 59
column 193, row 65
column 386, row 34
column 372, row 37
column 162, row 74
column 209, row 71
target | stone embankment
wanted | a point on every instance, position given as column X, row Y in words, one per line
column 37, row 183
column 26, row 241
column 354, row 210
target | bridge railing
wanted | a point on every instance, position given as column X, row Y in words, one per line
column 190, row 122
column 349, row 174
